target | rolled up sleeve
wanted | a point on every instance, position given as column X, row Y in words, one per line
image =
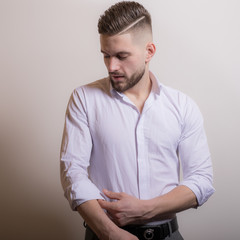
column 194, row 154
column 75, row 154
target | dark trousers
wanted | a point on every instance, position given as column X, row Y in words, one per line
column 90, row 235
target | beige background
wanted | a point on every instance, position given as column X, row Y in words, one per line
column 49, row 47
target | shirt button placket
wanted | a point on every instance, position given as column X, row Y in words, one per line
column 143, row 167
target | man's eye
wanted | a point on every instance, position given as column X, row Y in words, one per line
column 121, row 57
column 106, row 56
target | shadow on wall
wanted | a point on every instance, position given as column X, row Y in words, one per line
column 32, row 202
column 41, row 60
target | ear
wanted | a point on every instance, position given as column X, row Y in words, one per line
column 150, row 51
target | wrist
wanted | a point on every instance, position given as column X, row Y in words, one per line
column 149, row 208
column 108, row 231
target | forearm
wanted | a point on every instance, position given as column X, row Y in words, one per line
column 131, row 210
column 96, row 218
column 177, row 200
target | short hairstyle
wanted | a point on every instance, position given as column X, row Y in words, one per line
column 124, row 15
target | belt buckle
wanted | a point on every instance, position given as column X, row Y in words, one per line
column 148, row 234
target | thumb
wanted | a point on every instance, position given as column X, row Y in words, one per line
column 112, row 195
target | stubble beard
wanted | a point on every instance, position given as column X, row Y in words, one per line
column 129, row 82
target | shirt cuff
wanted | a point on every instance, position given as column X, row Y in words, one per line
column 202, row 194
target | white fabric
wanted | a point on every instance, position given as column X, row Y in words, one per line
column 108, row 144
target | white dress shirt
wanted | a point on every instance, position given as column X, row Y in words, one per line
column 107, row 143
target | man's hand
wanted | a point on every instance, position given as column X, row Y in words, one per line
column 125, row 210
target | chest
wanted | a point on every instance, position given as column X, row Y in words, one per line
column 119, row 124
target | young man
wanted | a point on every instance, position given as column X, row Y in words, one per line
column 124, row 137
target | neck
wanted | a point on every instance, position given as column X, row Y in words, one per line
column 143, row 87
column 140, row 92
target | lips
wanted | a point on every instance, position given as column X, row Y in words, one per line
column 117, row 77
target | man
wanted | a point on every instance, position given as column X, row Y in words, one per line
column 124, row 137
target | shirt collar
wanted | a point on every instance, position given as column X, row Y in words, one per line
column 156, row 85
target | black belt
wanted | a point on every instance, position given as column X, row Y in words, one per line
column 155, row 232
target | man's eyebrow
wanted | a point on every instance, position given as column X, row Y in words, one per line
column 123, row 53
column 118, row 53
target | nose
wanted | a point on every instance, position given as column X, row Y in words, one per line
column 113, row 64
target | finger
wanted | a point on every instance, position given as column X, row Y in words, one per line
column 112, row 218
column 112, row 195
column 109, row 206
column 109, row 215
column 102, row 203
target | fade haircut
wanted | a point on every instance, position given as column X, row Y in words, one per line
column 124, row 16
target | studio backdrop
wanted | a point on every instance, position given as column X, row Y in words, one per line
column 50, row 47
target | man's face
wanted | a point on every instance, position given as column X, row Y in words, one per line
column 124, row 58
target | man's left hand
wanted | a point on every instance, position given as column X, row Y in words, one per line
column 125, row 209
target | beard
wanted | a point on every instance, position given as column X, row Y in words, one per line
column 127, row 83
